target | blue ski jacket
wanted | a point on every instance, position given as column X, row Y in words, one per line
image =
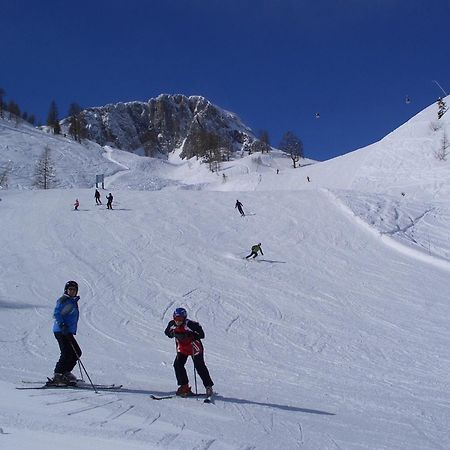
column 66, row 313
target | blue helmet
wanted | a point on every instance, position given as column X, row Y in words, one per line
column 180, row 312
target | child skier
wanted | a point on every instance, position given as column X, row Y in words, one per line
column 187, row 334
column 110, row 200
column 64, row 328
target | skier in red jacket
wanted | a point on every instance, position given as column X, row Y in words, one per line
column 187, row 334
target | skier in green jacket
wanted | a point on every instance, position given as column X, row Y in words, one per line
column 255, row 249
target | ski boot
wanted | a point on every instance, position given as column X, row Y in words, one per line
column 184, row 391
column 209, row 391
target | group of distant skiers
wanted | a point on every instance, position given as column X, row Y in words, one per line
column 98, row 201
column 188, row 334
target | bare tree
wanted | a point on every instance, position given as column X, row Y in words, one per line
column 45, row 176
column 259, row 146
column 77, row 123
column 4, row 175
column 207, row 146
column 442, row 152
column 292, row 145
column 264, row 141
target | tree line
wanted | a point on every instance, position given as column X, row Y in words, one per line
column 77, row 125
column 214, row 149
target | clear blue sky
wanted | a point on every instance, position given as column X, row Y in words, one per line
column 274, row 63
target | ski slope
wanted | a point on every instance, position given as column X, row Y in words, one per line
column 337, row 337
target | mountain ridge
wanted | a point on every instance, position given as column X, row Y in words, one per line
column 163, row 124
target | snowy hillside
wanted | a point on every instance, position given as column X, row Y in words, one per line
column 337, row 337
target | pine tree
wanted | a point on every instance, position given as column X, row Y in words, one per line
column 45, row 176
column 13, row 109
column 52, row 118
column 2, row 93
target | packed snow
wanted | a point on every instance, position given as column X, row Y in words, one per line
column 337, row 338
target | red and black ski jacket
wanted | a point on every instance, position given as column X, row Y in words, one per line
column 187, row 336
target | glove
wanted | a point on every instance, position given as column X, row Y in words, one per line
column 64, row 329
column 181, row 336
column 170, row 334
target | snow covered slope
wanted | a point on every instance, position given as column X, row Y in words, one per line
column 337, row 337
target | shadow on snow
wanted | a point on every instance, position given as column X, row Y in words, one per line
column 231, row 400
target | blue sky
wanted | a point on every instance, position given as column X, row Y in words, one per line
column 274, row 63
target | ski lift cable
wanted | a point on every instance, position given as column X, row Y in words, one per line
column 442, row 89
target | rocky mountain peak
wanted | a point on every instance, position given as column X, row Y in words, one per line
column 165, row 123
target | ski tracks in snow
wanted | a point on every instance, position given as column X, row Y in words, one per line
column 400, row 232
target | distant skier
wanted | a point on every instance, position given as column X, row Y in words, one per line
column 76, row 204
column 255, row 249
column 187, row 334
column 66, row 315
column 239, row 206
column 110, row 200
column 97, row 197
column 308, row 179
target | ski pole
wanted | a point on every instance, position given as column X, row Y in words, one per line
column 82, row 365
column 195, row 376
column 81, row 373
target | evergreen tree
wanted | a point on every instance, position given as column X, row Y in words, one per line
column 45, row 176
column 13, row 109
column 52, row 118
column 2, row 93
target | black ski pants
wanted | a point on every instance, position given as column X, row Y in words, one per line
column 252, row 254
column 68, row 358
column 200, row 367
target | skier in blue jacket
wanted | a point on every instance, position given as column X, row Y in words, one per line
column 66, row 316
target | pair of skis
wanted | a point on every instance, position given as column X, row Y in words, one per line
column 80, row 385
column 208, row 399
column 105, row 387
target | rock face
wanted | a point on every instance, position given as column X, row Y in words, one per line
column 165, row 123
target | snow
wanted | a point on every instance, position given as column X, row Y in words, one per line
column 337, row 337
